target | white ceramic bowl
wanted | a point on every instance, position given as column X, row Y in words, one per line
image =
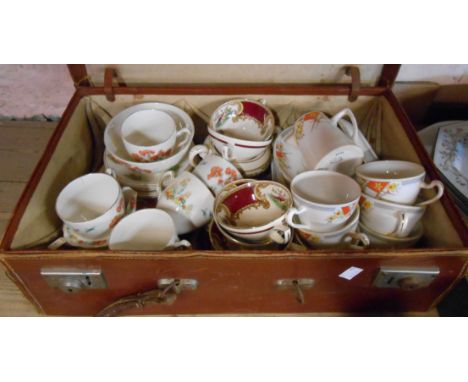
column 243, row 119
column 116, row 148
column 324, row 200
column 378, row 240
column 389, row 219
column 396, row 181
column 286, row 155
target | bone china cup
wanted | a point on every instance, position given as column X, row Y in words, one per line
column 146, row 230
column 243, row 119
column 91, row 204
column 324, row 146
column 213, row 170
column 254, row 211
column 189, row 202
column 324, row 200
column 150, row 135
column 381, row 241
column 344, row 237
column 396, row 181
column 389, row 219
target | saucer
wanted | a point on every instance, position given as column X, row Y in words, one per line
column 287, row 157
column 219, row 242
column 146, row 185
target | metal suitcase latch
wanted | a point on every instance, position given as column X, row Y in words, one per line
column 405, row 278
column 297, row 286
column 71, row 280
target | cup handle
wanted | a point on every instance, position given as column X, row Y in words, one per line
column 402, row 224
column 227, row 153
column 185, row 131
column 57, row 243
column 356, row 240
column 440, row 191
column 347, row 113
column 167, row 178
column 290, row 217
column 281, row 234
column 198, row 150
column 182, row 244
column 130, row 196
column 111, row 172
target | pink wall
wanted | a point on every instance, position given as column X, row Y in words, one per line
column 28, row 90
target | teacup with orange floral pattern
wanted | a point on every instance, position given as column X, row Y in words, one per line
column 151, row 135
column 396, row 181
column 213, row 170
column 323, row 200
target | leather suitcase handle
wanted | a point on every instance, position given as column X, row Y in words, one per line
column 138, row 300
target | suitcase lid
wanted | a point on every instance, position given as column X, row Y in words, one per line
column 145, row 75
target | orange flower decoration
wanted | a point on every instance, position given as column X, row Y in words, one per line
column 311, row 116
column 215, row 171
column 377, row 186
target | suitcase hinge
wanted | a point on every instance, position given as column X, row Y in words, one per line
column 355, row 74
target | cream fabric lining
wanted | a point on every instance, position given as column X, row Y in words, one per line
column 240, row 74
column 73, row 154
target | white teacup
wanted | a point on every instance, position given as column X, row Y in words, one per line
column 146, row 230
column 151, row 135
column 389, row 219
column 213, row 170
column 324, row 146
column 396, row 181
column 91, row 204
column 344, row 237
column 324, row 200
column 189, row 202
column 378, row 240
column 238, row 149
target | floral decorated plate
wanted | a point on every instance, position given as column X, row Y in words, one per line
column 428, row 135
column 287, row 157
column 451, row 155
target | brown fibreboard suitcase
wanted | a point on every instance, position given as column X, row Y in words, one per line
column 201, row 281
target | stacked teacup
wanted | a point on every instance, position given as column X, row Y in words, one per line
column 326, row 212
column 147, row 145
column 241, row 131
column 251, row 214
column 390, row 210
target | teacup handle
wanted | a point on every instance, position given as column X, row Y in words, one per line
column 185, row 131
column 440, row 191
column 198, row 150
column 182, row 244
column 167, row 178
column 130, row 196
column 402, row 224
column 111, row 172
column 227, row 153
column 290, row 218
column 347, row 113
column 356, row 240
column 281, row 234
column 57, row 243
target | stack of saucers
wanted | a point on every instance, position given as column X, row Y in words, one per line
column 251, row 214
column 147, row 145
column 241, row 131
column 390, row 210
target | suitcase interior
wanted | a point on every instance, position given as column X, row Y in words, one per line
column 70, row 152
